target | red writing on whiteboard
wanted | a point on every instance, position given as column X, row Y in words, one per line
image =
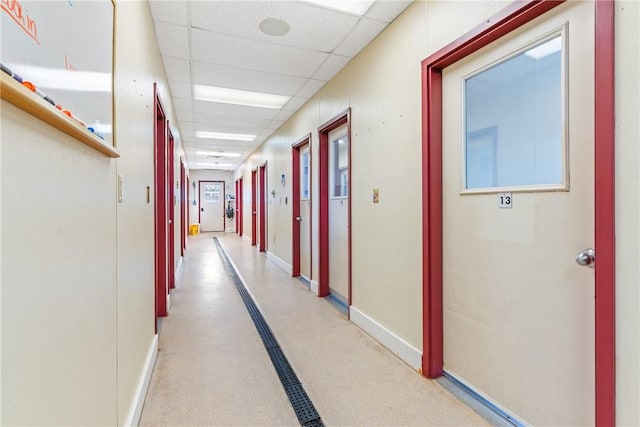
column 14, row 9
column 68, row 65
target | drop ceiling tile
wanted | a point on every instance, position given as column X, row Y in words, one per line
column 331, row 67
column 173, row 40
column 169, row 11
column 229, row 124
column 295, row 103
column 310, row 88
column 230, row 110
column 182, row 104
column 177, row 69
column 387, row 10
column 242, row 18
column 238, row 78
column 254, row 55
column 284, row 115
column 180, row 89
column 365, row 31
column 184, row 115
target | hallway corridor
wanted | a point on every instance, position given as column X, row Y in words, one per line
column 213, row 369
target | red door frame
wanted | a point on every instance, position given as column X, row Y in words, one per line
column 239, row 206
column 188, row 194
column 254, row 212
column 224, row 218
column 323, row 148
column 183, row 207
column 171, row 207
column 509, row 19
column 295, row 188
column 237, row 184
column 263, row 207
column 160, row 207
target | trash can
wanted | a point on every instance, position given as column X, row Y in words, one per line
column 194, row 229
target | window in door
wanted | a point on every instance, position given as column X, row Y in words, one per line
column 304, row 173
column 211, row 193
column 514, row 120
column 339, row 162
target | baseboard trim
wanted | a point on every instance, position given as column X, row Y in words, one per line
column 405, row 351
column 133, row 419
column 280, row 263
column 178, row 272
column 314, row 287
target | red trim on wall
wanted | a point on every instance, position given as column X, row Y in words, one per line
column 295, row 199
column 183, row 207
column 323, row 150
column 160, row 207
column 263, row 208
column 240, row 199
column 605, row 320
column 254, row 212
column 171, row 207
column 512, row 17
column 188, row 190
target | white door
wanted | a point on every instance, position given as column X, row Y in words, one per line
column 211, row 206
column 338, row 213
column 518, row 207
column 305, row 211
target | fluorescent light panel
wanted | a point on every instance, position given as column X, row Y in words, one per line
column 218, row 154
column 239, row 97
column 215, row 165
column 222, row 135
column 353, row 7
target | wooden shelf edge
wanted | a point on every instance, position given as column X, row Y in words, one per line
column 15, row 93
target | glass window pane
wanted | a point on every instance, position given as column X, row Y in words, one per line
column 304, row 174
column 211, row 193
column 339, row 162
column 513, row 117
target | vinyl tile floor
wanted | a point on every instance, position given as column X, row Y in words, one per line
column 212, row 368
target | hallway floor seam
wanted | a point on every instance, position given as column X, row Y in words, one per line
column 303, row 407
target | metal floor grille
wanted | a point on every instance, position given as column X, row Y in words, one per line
column 302, row 405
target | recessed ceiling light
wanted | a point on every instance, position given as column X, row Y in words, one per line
column 354, row 7
column 274, row 27
column 218, row 154
column 222, row 135
column 239, row 97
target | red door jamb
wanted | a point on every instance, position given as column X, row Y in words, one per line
column 183, row 198
column 509, row 19
column 263, row 208
column 254, row 176
column 160, row 208
column 323, row 255
column 240, row 201
column 295, row 199
column 171, row 208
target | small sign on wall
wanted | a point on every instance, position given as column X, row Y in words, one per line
column 505, row 201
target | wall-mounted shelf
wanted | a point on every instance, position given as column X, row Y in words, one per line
column 15, row 93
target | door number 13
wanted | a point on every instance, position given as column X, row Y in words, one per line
column 505, row 200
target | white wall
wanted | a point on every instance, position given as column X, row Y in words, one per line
column 197, row 175
column 77, row 267
column 627, row 213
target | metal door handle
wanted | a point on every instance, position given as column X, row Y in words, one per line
column 298, row 218
column 586, row 258
column 254, row 212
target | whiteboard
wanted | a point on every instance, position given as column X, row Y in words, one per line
column 65, row 48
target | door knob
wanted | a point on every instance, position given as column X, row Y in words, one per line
column 586, row 258
column 201, row 209
column 254, row 212
column 298, row 218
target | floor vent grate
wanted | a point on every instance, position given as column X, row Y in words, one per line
column 300, row 401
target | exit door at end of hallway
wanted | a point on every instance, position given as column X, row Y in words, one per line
column 211, row 206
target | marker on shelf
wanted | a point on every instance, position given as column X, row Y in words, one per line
column 11, row 73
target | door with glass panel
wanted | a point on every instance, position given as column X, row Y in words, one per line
column 211, row 206
column 339, row 213
column 518, row 190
